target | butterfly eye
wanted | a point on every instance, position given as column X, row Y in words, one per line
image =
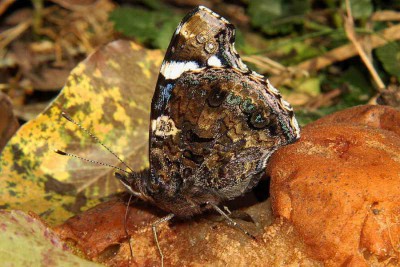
column 201, row 38
column 258, row 120
column 216, row 98
column 211, row 47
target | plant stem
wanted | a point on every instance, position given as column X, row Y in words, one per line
column 37, row 15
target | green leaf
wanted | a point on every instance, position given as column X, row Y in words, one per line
column 277, row 16
column 360, row 9
column 152, row 4
column 310, row 86
column 389, row 55
column 296, row 52
column 26, row 241
column 152, row 28
column 359, row 89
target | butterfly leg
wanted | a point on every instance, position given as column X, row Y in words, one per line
column 228, row 211
column 126, row 228
column 154, row 227
column 230, row 220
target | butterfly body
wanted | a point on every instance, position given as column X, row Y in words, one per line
column 214, row 123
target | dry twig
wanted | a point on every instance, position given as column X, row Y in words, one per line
column 386, row 15
column 10, row 35
column 342, row 53
column 4, row 5
column 350, row 32
column 323, row 99
column 265, row 64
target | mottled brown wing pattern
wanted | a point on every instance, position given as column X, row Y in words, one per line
column 226, row 117
column 214, row 122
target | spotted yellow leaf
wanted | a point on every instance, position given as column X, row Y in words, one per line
column 109, row 94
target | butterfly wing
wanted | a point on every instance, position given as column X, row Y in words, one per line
column 214, row 123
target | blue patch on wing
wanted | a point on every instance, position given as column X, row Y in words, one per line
column 165, row 94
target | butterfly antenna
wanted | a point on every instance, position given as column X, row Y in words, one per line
column 97, row 140
column 63, row 153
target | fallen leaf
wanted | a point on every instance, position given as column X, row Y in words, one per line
column 26, row 241
column 109, row 94
column 206, row 240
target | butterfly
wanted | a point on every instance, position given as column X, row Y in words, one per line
column 214, row 122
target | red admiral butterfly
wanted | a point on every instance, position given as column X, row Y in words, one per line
column 214, row 122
